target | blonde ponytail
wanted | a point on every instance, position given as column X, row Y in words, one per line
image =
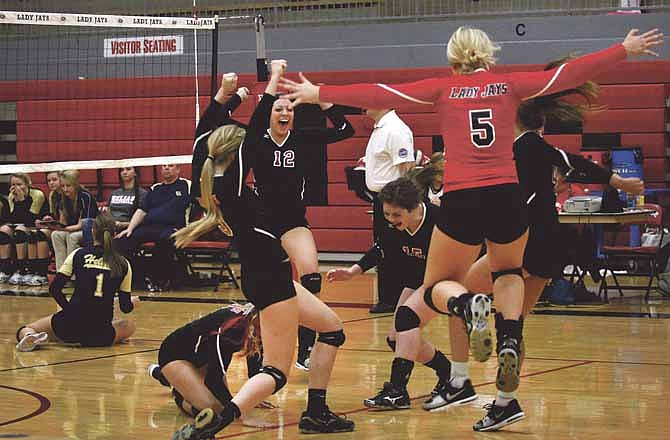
column 104, row 233
column 470, row 49
column 222, row 144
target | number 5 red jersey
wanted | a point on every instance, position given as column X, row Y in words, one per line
column 477, row 111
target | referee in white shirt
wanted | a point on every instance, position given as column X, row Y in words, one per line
column 388, row 155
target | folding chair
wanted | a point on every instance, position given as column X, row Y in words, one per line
column 649, row 254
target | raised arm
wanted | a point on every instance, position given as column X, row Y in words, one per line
column 365, row 95
column 528, row 85
column 341, row 129
column 220, row 109
column 260, row 119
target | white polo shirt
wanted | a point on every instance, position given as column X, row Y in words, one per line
column 391, row 144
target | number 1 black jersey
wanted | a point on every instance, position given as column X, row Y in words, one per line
column 403, row 252
column 94, row 288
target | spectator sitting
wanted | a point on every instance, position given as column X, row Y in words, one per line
column 161, row 212
column 124, row 201
column 77, row 212
column 55, row 200
column 25, row 205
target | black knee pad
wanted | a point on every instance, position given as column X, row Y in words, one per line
column 276, row 374
column 335, row 338
column 183, row 405
column 311, row 282
column 391, row 343
column 32, row 237
column 406, row 319
column 518, row 271
column 41, row 236
column 20, row 236
column 428, row 299
column 5, row 238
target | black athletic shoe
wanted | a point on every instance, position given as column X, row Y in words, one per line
column 326, row 422
column 156, row 373
column 438, row 386
column 151, row 286
column 507, row 379
column 499, row 416
column 389, row 398
column 476, row 316
column 302, row 363
column 207, row 424
column 449, row 396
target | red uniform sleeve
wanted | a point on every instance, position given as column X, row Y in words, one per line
column 379, row 96
column 529, row 85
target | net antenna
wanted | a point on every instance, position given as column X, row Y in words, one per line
column 195, row 66
column 261, row 58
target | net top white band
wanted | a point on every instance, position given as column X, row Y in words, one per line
column 94, row 164
column 99, row 20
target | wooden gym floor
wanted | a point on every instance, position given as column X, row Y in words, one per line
column 597, row 371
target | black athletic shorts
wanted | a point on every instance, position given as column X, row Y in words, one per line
column 280, row 220
column 496, row 213
column 71, row 329
column 180, row 345
column 266, row 271
column 186, row 344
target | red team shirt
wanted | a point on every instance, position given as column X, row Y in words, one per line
column 477, row 111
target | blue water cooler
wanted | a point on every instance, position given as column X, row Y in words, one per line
column 628, row 163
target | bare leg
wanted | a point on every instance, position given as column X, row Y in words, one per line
column 41, row 325
column 508, row 289
column 316, row 315
column 279, row 323
column 124, row 329
column 190, row 383
column 300, row 246
column 301, row 249
column 406, row 293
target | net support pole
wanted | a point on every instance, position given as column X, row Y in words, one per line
column 215, row 56
column 195, row 67
column 261, row 58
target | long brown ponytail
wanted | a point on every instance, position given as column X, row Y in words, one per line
column 222, row 144
column 104, row 234
column 533, row 113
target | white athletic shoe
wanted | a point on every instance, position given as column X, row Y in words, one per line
column 16, row 279
column 31, row 341
column 4, row 277
column 32, row 280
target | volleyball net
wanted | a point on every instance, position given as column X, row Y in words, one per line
column 94, row 91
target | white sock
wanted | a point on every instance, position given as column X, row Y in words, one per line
column 459, row 373
column 503, row 399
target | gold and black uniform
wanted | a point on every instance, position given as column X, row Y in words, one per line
column 87, row 317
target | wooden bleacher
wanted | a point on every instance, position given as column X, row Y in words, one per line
column 107, row 119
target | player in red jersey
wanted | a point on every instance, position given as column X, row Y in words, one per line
column 482, row 201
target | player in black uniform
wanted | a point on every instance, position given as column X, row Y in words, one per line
column 25, row 204
column 267, row 283
column 87, row 318
column 279, row 169
column 544, row 257
column 218, row 113
column 194, row 358
column 404, row 247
